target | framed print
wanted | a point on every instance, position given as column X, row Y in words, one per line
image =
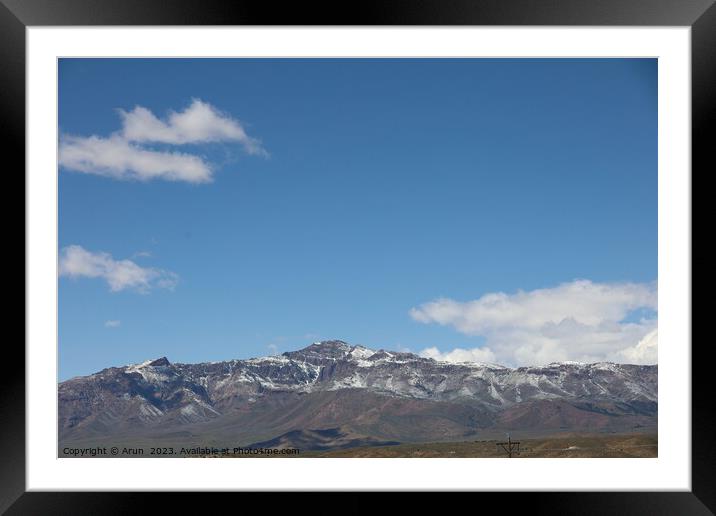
column 420, row 248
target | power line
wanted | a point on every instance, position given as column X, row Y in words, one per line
column 510, row 446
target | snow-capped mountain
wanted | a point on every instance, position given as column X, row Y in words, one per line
column 384, row 394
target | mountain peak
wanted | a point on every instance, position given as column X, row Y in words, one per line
column 153, row 362
column 323, row 349
column 328, row 345
column 333, row 343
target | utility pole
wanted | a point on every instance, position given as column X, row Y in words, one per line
column 510, row 446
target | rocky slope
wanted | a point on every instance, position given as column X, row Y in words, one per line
column 379, row 394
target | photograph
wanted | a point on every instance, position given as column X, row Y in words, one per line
column 413, row 247
column 357, row 257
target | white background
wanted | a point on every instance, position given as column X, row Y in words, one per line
column 671, row 470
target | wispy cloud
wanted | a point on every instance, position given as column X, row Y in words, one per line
column 117, row 158
column 112, row 323
column 77, row 262
column 199, row 123
column 580, row 320
column 125, row 154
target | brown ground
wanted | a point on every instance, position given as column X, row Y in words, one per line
column 562, row 446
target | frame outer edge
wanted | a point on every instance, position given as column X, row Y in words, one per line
column 366, row 12
column 12, row 113
column 703, row 120
column 12, row 138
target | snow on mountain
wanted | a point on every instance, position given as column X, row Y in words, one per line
column 157, row 390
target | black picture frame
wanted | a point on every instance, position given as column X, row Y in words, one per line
column 17, row 15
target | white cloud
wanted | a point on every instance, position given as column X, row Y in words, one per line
column 112, row 323
column 77, row 262
column 580, row 321
column 644, row 352
column 484, row 355
column 122, row 155
column 198, row 123
column 117, row 158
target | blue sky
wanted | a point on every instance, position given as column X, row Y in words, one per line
column 376, row 201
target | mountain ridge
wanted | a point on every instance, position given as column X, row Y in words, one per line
column 383, row 395
column 163, row 360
